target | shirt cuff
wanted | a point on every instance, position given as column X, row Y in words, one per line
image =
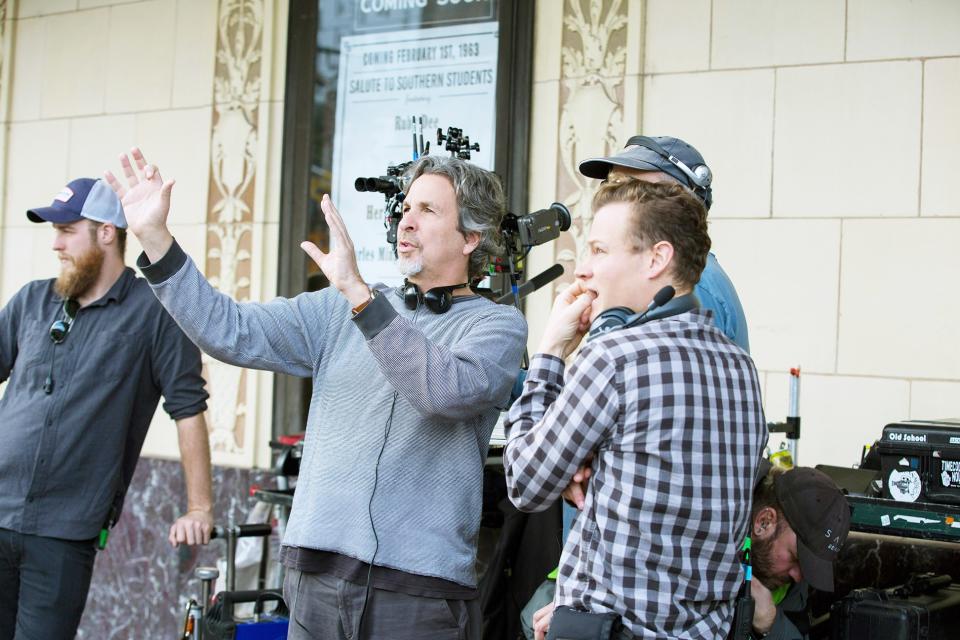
column 546, row 368
column 375, row 317
column 164, row 268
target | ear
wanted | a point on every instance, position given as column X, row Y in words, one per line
column 765, row 523
column 472, row 241
column 661, row 255
column 106, row 234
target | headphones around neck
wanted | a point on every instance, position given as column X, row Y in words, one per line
column 663, row 305
column 437, row 299
column 700, row 175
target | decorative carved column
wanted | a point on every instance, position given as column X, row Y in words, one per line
column 233, row 181
column 591, row 107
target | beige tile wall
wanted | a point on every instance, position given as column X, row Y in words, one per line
column 90, row 78
column 832, row 127
column 847, row 280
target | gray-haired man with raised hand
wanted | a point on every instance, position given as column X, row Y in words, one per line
column 407, row 384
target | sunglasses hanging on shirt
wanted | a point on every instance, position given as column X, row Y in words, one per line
column 61, row 327
column 58, row 333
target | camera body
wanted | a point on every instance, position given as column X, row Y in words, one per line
column 526, row 231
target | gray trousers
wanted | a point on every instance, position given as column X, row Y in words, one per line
column 324, row 607
column 43, row 585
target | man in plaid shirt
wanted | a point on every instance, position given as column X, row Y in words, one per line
column 667, row 412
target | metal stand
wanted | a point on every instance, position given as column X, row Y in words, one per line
column 791, row 426
column 206, row 575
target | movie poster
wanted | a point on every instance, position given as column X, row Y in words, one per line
column 388, row 84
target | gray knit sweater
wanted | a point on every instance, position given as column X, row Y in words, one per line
column 444, row 376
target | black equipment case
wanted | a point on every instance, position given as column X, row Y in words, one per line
column 930, row 610
column 920, row 461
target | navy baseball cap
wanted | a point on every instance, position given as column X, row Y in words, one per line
column 637, row 156
column 819, row 514
column 82, row 198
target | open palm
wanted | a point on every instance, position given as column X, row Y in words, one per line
column 146, row 199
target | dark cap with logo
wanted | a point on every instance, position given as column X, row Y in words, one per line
column 662, row 155
column 819, row 514
column 82, row 198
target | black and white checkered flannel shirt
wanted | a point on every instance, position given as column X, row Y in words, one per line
column 672, row 412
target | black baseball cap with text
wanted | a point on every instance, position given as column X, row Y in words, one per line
column 819, row 514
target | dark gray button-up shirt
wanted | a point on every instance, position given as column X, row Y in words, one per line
column 66, row 456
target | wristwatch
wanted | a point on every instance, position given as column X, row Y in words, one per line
column 363, row 305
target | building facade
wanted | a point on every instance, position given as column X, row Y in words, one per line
column 830, row 127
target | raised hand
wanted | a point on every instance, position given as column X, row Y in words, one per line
column 568, row 322
column 146, row 203
column 340, row 263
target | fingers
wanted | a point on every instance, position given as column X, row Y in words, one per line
column 166, row 189
column 313, row 251
column 206, row 529
column 574, row 494
column 541, row 621
column 582, row 474
column 572, row 291
column 128, row 171
column 138, row 158
column 337, row 228
column 189, row 531
column 584, row 325
column 114, row 184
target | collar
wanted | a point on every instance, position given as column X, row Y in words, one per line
column 116, row 293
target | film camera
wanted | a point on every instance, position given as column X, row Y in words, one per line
column 520, row 233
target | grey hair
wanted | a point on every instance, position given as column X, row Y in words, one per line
column 481, row 204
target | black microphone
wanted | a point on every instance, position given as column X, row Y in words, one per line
column 534, row 283
column 661, row 298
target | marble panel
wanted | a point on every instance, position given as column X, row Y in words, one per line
column 140, row 584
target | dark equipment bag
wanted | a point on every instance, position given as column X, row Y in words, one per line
column 927, row 607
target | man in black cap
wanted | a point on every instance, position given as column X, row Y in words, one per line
column 799, row 522
column 85, row 358
column 655, row 159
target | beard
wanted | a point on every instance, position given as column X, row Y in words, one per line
column 409, row 266
column 762, row 563
column 76, row 279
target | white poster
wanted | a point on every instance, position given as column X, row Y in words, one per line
column 444, row 76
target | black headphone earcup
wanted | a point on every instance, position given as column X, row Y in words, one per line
column 609, row 320
column 438, row 299
column 411, row 295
